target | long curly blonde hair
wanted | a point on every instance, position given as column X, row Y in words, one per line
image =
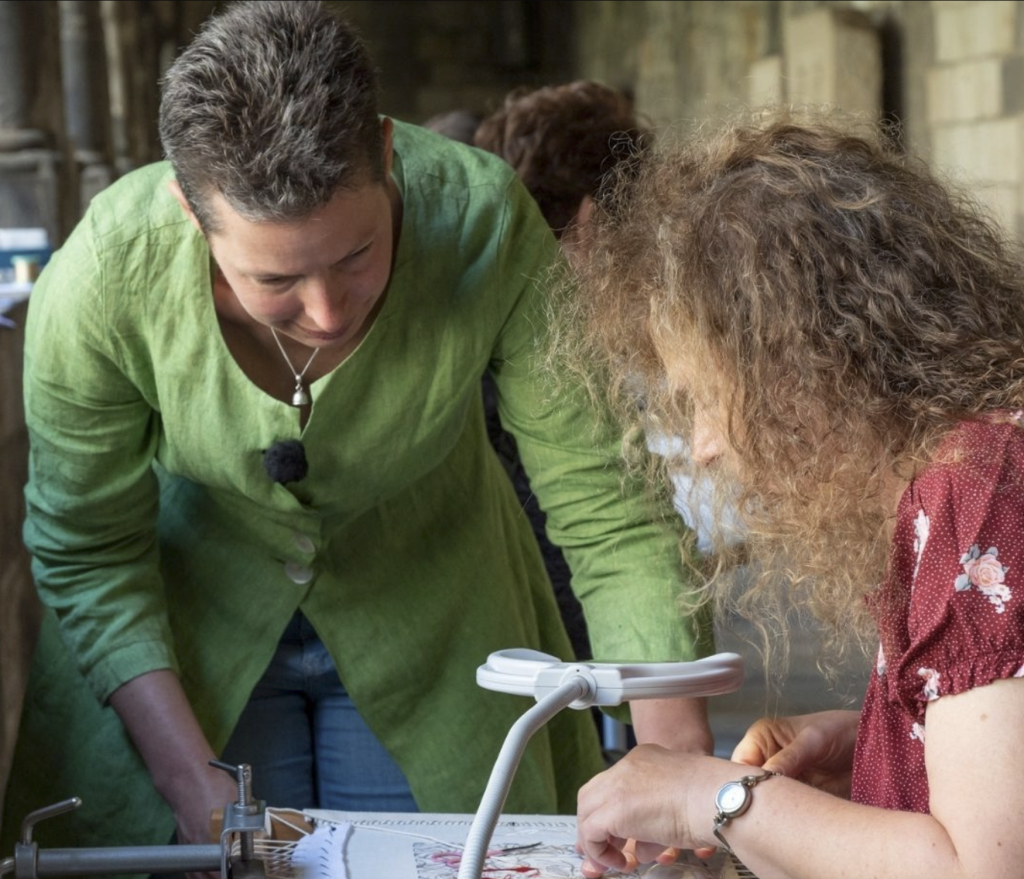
column 847, row 308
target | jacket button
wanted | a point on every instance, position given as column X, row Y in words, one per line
column 304, row 544
column 298, row 573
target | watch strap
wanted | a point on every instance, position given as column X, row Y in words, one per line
column 722, row 819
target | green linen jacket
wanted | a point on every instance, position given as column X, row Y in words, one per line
column 159, row 541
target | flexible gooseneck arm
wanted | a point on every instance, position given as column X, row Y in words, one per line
column 480, row 832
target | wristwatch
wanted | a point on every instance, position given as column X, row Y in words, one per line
column 733, row 799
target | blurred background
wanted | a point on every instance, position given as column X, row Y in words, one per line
column 79, row 90
column 79, row 78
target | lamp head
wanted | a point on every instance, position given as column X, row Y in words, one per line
column 532, row 673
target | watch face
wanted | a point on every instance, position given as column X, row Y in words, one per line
column 731, row 798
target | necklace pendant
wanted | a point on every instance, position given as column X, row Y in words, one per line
column 299, row 395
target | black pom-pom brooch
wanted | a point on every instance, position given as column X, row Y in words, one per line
column 285, row 461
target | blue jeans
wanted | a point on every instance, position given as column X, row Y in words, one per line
column 306, row 743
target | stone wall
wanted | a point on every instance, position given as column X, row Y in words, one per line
column 974, row 100
column 951, row 72
column 439, row 55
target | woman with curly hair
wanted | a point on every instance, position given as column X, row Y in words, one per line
column 840, row 335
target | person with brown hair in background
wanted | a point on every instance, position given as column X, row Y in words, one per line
column 562, row 140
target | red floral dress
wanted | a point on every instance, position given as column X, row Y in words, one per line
column 951, row 612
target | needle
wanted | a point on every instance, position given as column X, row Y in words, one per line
column 518, row 848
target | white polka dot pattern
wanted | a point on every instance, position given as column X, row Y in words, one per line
column 951, row 611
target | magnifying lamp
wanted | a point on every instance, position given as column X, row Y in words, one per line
column 557, row 685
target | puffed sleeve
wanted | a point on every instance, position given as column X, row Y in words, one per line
column 92, row 496
column 965, row 566
column 623, row 549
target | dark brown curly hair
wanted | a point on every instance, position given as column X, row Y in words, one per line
column 562, row 140
column 846, row 306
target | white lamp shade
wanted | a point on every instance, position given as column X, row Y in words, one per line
column 532, row 673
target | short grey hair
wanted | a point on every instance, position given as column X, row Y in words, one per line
column 274, row 106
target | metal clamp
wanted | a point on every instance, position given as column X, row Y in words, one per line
column 244, row 818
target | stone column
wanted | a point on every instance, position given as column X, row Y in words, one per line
column 30, row 163
column 19, row 26
column 86, row 102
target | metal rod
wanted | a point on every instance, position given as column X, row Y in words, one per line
column 33, row 818
column 128, row 859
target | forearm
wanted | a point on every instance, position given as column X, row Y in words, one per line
column 793, row 831
column 160, row 721
column 790, row 831
column 677, row 724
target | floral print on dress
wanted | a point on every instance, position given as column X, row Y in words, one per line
column 984, row 571
column 917, row 732
column 930, row 690
column 880, row 665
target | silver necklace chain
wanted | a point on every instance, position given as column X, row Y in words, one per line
column 299, row 395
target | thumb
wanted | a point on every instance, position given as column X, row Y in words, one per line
column 748, row 752
column 785, row 762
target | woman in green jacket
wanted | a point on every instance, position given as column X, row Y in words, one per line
column 257, row 441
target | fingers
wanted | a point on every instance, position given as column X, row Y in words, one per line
column 603, row 850
column 758, row 744
column 629, row 850
column 649, row 853
column 799, row 754
column 633, row 855
column 611, row 855
column 667, row 856
column 748, row 752
column 788, row 761
column 653, row 853
column 636, row 797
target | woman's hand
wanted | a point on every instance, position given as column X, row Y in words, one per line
column 161, row 723
column 643, row 797
column 208, row 791
column 814, row 748
column 677, row 724
column 650, row 795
